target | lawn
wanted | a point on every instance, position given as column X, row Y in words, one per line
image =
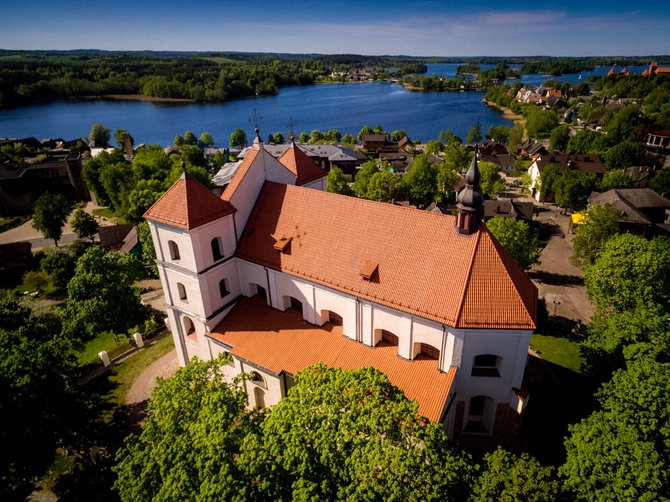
column 123, row 375
column 114, row 345
column 12, row 221
column 561, row 351
column 106, row 212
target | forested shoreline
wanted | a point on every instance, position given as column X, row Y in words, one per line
column 212, row 77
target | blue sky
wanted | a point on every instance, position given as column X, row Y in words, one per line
column 428, row 28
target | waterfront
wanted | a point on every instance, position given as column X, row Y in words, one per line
column 345, row 107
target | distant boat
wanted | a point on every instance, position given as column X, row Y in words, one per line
column 580, row 76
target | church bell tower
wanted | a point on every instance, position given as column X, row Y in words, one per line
column 470, row 202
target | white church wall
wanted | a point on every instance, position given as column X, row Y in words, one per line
column 163, row 234
column 511, row 346
column 246, row 194
column 203, row 235
column 251, row 275
column 319, row 184
column 342, row 305
column 211, row 292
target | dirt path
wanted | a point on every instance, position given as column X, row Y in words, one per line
column 140, row 392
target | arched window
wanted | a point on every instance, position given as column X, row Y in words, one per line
column 389, row 338
column 481, row 412
column 174, row 250
column 258, row 290
column 429, row 352
column 332, row 317
column 258, row 379
column 182, row 292
column 217, row 253
column 223, row 288
column 189, row 328
column 293, row 303
column 486, row 365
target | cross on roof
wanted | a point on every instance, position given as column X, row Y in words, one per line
column 256, row 118
column 291, row 124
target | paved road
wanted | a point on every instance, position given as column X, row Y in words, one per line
column 26, row 232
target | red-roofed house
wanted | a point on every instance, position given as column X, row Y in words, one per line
column 281, row 276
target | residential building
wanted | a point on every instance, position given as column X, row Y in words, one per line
column 21, row 184
column 280, row 276
column 642, row 209
column 590, row 164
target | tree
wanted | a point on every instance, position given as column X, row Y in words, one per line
column 600, row 223
column 615, row 179
column 50, row 213
column 84, row 225
column 508, row 478
column 457, row 155
column 118, row 137
column 38, row 398
column 207, row 139
column 624, row 154
column 142, row 197
column 278, row 138
column 363, row 177
column 102, row 296
column 100, row 135
column 378, row 129
column 188, row 447
column 434, row 146
column 621, row 451
column 587, row 141
column 147, row 245
column 238, row 139
column 474, row 135
column 218, row 160
column 548, row 179
column 316, row 137
column 349, row 139
column 304, row 137
column 59, row 263
column 447, row 176
column 420, row 182
column 330, row 436
column 558, row 140
column 151, row 163
column 661, row 183
column 381, row 186
column 515, row 138
column 501, row 134
column 334, row 135
column 337, row 183
column 179, row 140
column 572, row 189
column 190, row 139
column 516, row 238
column 630, row 272
column 491, row 181
column 398, row 135
column 539, row 122
column 364, row 131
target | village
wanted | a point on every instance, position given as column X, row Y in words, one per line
column 467, row 271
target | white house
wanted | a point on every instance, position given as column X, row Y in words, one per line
column 282, row 276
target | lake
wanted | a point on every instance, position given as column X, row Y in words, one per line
column 345, row 107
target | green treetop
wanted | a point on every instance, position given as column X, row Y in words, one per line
column 50, row 213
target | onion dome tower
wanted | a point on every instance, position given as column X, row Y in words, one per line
column 470, row 201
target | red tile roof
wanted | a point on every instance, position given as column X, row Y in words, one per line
column 239, row 174
column 188, row 204
column 424, row 267
column 304, row 168
column 282, row 341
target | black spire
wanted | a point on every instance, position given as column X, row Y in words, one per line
column 470, row 201
column 184, row 174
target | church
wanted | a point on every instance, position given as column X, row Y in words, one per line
column 280, row 274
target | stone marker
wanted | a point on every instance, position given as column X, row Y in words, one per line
column 104, row 357
column 138, row 340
